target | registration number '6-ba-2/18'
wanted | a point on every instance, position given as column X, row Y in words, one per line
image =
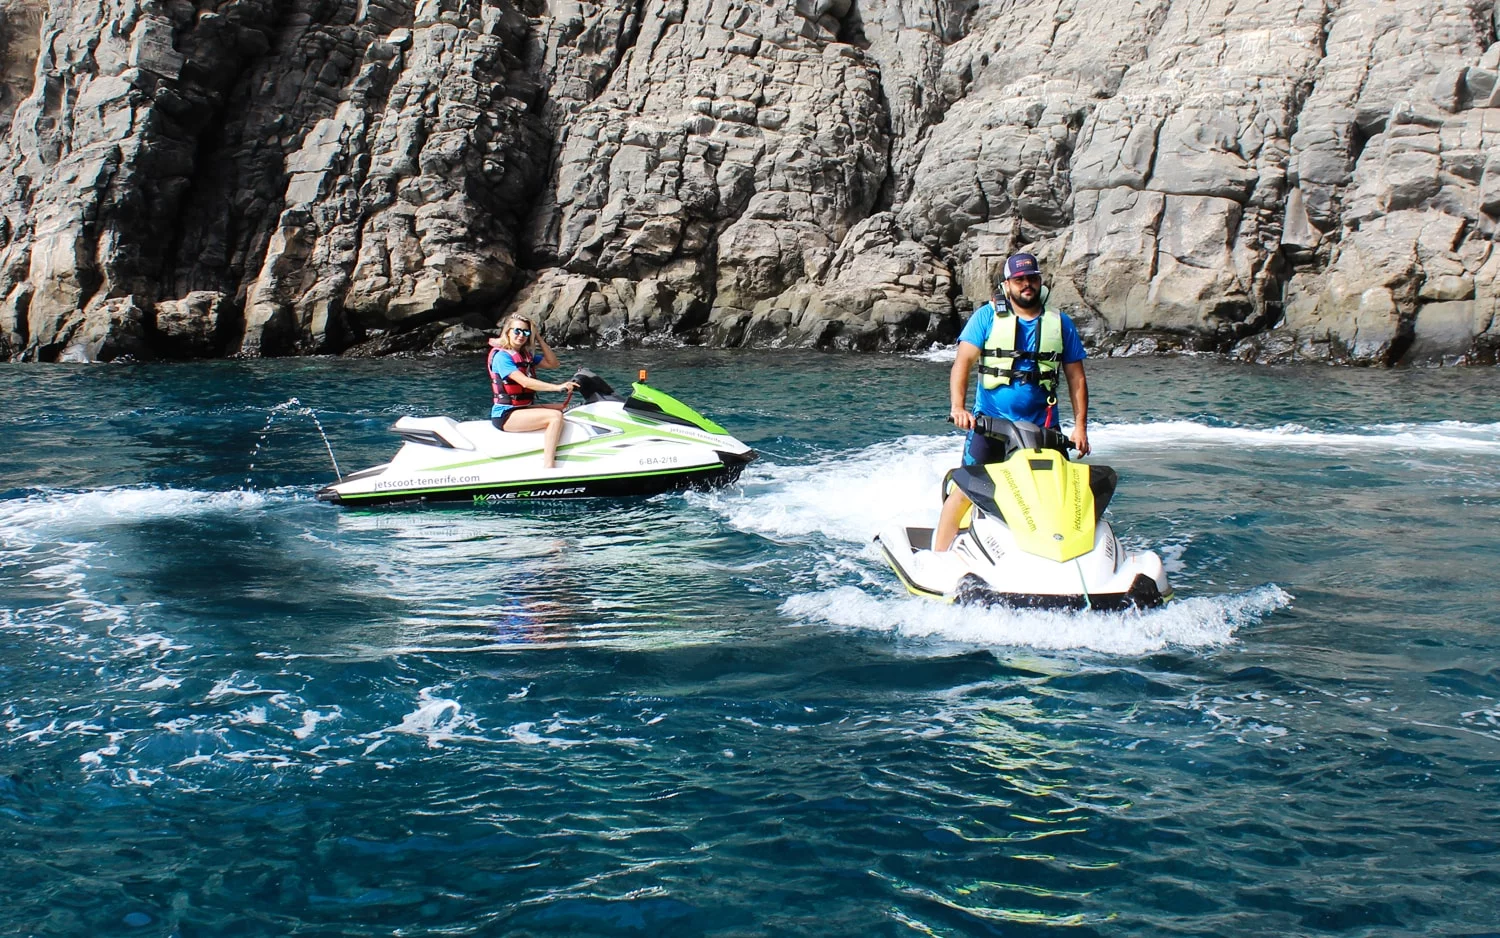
column 659, row 460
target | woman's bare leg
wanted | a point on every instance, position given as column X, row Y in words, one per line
column 545, row 417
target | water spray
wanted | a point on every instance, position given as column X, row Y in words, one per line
column 290, row 406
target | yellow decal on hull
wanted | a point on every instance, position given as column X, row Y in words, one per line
column 1047, row 503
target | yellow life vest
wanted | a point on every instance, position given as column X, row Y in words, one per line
column 999, row 362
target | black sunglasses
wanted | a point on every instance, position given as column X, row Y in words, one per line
column 525, row 332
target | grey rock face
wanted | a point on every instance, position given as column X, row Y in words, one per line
column 1286, row 179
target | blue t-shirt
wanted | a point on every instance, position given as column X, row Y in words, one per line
column 502, row 363
column 1018, row 401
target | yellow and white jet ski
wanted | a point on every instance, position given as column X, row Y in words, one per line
column 1035, row 536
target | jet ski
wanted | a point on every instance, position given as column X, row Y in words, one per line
column 1035, row 536
column 643, row 444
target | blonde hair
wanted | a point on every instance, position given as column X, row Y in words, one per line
column 507, row 340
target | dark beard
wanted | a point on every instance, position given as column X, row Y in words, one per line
column 1017, row 303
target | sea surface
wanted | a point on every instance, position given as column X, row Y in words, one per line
column 227, row 709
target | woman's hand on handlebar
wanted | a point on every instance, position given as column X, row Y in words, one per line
column 961, row 418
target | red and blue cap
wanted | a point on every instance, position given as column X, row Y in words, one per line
column 1022, row 265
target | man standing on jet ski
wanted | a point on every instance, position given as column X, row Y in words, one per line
column 1019, row 346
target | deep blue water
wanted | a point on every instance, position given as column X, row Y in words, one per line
column 229, row 710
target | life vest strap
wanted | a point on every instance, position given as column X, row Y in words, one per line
column 1017, row 376
column 1044, row 358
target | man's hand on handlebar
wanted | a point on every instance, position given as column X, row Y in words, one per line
column 961, row 418
column 1080, row 441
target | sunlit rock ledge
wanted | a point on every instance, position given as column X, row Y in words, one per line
column 1274, row 181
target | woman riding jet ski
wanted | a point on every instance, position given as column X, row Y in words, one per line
column 641, row 445
column 1034, row 537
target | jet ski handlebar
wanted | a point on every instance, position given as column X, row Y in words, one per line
column 1015, row 435
column 593, row 388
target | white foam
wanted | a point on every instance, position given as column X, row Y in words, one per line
column 438, row 720
column 935, row 352
column 70, row 517
column 1171, row 552
column 311, row 719
column 1190, row 623
column 847, row 496
column 252, row 716
column 1451, row 436
column 525, row 733
column 226, row 687
column 96, row 758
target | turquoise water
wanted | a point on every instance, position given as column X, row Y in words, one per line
column 227, row 709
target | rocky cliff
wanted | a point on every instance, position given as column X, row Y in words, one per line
column 1279, row 179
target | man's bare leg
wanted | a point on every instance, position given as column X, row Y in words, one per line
column 954, row 507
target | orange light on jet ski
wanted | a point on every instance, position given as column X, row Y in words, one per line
column 642, row 378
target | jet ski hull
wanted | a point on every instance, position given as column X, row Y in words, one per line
column 1103, row 579
column 1142, row 594
column 607, row 486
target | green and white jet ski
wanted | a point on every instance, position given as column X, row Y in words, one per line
column 1035, row 536
column 641, row 445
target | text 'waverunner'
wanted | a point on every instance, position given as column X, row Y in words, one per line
column 1034, row 537
column 641, row 445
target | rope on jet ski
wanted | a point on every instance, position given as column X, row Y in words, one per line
column 1083, row 584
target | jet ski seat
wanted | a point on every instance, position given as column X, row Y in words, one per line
column 442, row 432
